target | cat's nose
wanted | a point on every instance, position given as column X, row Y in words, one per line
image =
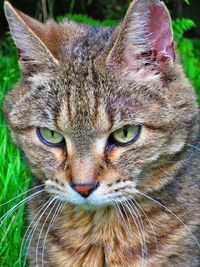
column 85, row 189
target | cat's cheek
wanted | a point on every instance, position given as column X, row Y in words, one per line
column 176, row 144
column 37, row 172
column 44, row 161
column 59, row 153
column 158, row 178
column 114, row 154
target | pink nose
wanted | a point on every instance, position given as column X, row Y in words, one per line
column 85, row 189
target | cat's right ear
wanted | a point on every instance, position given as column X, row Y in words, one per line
column 143, row 44
column 26, row 32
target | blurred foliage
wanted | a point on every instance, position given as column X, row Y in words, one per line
column 83, row 19
column 112, row 9
column 14, row 176
column 180, row 26
column 188, row 51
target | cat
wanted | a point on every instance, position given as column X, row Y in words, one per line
column 108, row 123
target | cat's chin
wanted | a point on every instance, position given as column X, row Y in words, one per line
column 93, row 207
column 90, row 204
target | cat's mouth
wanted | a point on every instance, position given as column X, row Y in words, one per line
column 70, row 196
column 101, row 196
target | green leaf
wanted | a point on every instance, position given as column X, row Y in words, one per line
column 187, row 2
column 180, row 26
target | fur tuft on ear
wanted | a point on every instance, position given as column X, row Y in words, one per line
column 26, row 33
column 145, row 41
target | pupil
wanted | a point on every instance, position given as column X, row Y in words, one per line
column 52, row 133
column 125, row 131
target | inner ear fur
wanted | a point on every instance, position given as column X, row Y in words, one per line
column 36, row 42
column 145, row 39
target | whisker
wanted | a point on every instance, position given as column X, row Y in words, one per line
column 119, row 207
column 140, row 231
column 168, row 210
column 40, row 233
column 26, row 192
column 122, row 216
column 51, row 200
column 188, row 155
column 54, row 218
column 8, row 213
column 192, row 146
column 27, row 230
column 140, row 221
column 150, row 224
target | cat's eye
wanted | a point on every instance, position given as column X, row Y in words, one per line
column 49, row 137
column 125, row 135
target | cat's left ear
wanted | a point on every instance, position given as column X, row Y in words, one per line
column 144, row 42
column 33, row 40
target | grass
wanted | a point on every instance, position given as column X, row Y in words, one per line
column 14, row 175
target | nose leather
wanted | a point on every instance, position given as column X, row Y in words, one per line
column 85, row 189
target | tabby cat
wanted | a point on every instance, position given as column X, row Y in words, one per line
column 108, row 123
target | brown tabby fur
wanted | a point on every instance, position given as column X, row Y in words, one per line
column 75, row 80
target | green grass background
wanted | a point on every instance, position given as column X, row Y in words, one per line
column 14, row 175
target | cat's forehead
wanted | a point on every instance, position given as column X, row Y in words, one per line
column 83, row 98
column 88, row 44
column 82, row 90
column 86, row 100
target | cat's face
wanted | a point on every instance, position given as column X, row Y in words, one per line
column 95, row 125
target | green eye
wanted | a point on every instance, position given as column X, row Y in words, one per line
column 128, row 133
column 49, row 137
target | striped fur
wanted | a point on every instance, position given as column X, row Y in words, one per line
column 79, row 81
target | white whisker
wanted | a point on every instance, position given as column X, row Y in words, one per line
column 28, row 191
column 150, row 224
column 54, row 218
column 123, row 219
column 140, row 222
column 30, row 225
column 40, row 233
column 51, row 200
column 139, row 229
column 8, row 213
column 161, row 205
column 197, row 148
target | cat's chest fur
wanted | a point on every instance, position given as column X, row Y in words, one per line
column 112, row 236
column 86, row 238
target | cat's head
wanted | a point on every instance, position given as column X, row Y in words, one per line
column 101, row 113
